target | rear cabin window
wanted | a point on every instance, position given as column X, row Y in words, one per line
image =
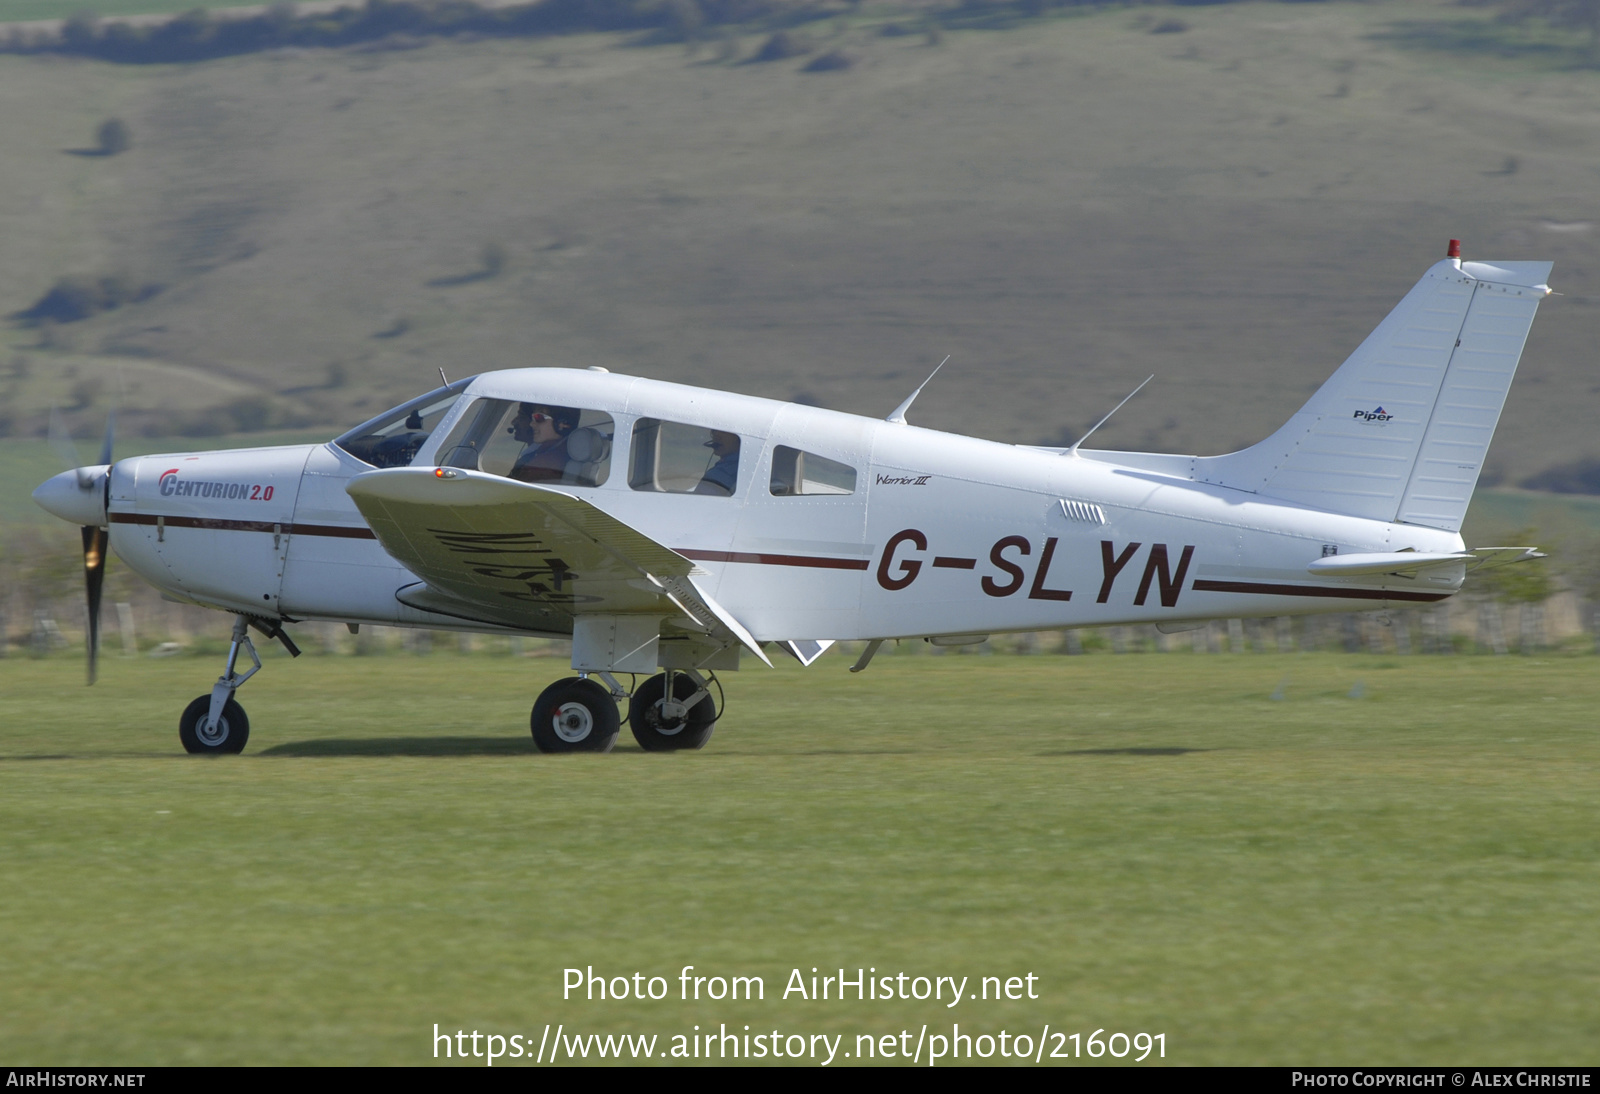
column 795, row 473
column 673, row 458
column 533, row 442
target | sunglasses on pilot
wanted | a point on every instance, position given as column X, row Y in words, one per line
column 533, row 418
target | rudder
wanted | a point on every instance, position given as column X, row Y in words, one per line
column 1399, row 432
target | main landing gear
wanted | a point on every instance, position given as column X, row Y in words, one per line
column 214, row 724
column 575, row 715
column 579, row 715
column 684, row 721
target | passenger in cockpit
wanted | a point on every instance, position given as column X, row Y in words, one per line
column 722, row 477
column 543, row 431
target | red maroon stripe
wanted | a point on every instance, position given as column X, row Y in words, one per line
column 337, row 531
column 1314, row 590
column 778, row 560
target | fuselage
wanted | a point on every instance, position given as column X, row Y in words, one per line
column 932, row 534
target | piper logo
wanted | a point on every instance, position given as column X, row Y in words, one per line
column 1379, row 415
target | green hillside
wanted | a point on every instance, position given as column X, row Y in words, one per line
column 1064, row 206
column 27, row 10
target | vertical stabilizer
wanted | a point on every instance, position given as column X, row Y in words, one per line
column 1401, row 430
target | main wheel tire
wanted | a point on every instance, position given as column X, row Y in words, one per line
column 574, row 715
column 656, row 733
column 199, row 737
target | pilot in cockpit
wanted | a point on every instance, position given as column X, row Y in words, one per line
column 543, row 431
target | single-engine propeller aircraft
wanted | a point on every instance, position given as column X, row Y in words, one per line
column 669, row 529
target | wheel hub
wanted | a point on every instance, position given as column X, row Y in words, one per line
column 573, row 722
column 212, row 734
column 667, row 727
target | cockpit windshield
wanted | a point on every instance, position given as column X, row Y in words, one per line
column 394, row 438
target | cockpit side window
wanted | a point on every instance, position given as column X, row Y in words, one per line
column 673, row 458
column 394, row 438
column 532, row 442
column 795, row 473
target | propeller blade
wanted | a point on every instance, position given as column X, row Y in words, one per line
column 61, row 441
column 95, row 541
column 111, row 434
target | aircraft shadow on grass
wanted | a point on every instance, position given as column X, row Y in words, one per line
column 476, row 746
column 1127, row 752
column 407, row 746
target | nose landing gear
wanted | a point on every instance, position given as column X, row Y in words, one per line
column 214, row 724
column 202, row 732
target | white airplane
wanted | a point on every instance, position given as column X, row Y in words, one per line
column 673, row 528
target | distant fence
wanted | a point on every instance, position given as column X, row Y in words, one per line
column 152, row 627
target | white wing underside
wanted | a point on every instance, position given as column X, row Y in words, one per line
column 530, row 557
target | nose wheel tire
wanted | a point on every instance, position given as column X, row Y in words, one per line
column 657, row 733
column 574, row 715
column 199, row 736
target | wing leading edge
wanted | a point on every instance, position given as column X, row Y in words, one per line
column 530, row 557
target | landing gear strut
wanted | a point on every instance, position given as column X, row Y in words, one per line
column 215, row 724
column 575, row 715
column 685, row 721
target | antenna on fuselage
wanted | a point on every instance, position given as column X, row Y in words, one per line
column 441, row 375
column 1073, row 451
column 898, row 415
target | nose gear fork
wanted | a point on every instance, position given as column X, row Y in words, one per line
column 230, row 681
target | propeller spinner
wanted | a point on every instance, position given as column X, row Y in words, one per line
column 82, row 495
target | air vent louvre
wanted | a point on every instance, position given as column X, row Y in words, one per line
column 1084, row 511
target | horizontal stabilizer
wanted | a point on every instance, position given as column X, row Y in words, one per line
column 1414, row 562
column 1393, row 562
column 1490, row 558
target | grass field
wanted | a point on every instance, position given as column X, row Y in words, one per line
column 1397, row 862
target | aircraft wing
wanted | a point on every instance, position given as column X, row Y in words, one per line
column 528, row 556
